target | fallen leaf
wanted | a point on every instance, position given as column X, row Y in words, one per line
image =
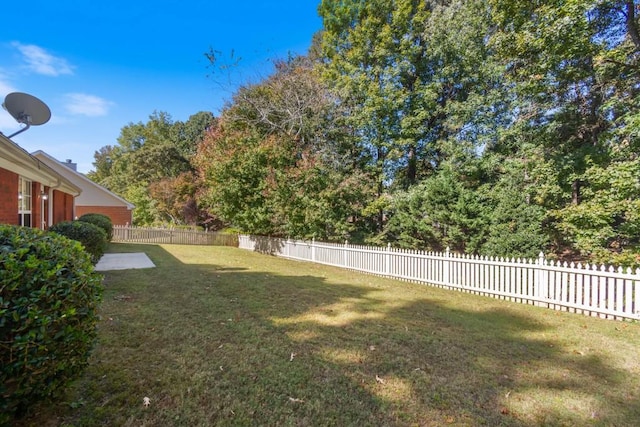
column 372, row 347
column 294, row 400
column 146, row 401
column 504, row 411
column 292, row 356
column 380, row 380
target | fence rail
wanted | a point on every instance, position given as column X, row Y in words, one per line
column 602, row 291
column 130, row 234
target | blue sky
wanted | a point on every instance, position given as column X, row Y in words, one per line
column 102, row 65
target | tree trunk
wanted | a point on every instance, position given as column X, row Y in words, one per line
column 632, row 26
column 411, row 165
column 575, row 192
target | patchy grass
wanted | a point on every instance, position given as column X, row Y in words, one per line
column 221, row 336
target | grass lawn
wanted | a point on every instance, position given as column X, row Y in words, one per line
column 222, row 336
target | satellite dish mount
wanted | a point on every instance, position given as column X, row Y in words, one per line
column 26, row 109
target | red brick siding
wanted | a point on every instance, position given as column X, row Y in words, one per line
column 8, row 197
column 119, row 215
column 62, row 207
column 69, row 204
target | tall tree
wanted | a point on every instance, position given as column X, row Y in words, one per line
column 103, row 161
column 419, row 83
column 574, row 69
column 153, row 155
column 187, row 136
column 415, row 73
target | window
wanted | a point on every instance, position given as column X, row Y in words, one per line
column 24, row 202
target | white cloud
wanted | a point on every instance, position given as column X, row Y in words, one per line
column 87, row 105
column 40, row 61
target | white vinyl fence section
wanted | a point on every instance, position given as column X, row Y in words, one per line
column 130, row 234
column 602, row 291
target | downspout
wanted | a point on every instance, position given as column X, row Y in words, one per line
column 50, row 207
column 43, row 222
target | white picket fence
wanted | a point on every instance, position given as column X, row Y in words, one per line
column 603, row 291
column 131, row 234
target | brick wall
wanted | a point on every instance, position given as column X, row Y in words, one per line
column 62, row 207
column 69, row 206
column 119, row 215
column 8, row 197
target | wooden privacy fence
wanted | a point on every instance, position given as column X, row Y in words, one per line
column 602, row 291
column 130, row 234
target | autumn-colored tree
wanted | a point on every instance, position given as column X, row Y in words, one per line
column 279, row 162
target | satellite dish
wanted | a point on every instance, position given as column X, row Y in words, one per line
column 26, row 109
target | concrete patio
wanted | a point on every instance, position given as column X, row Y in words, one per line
column 124, row 261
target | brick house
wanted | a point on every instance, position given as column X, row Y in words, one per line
column 31, row 193
column 93, row 197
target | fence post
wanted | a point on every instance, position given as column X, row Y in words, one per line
column 313, row 249
column 446, row 266
column 541, row 280
column 346, row 253
column 387, row 260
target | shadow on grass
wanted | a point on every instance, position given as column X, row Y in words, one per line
column 226, row 337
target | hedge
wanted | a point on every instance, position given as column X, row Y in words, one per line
column 101, row 220
column 92, row 237
column 49, row 294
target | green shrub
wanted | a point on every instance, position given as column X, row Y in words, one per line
column 101, row 221
column 49, row 295
column 92, row 237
